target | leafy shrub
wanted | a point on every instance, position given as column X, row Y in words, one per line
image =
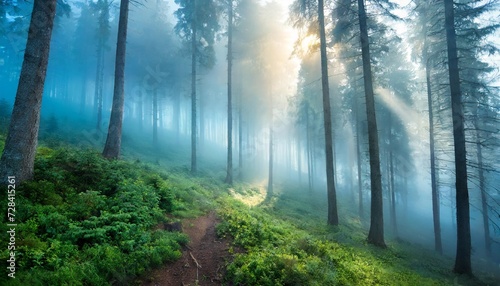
column 86, row 220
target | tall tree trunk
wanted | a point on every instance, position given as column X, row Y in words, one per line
column 463, row 260
column 270, row 182
column 98, row 84
column 155, row 117
column 83, row 94
column 482, row 185
column 114, row 138
column 308, row 146
column 299, row 159
column 376, row 234
column 240, row 142
column 229, row 175
column 359, row 160
column 394, row 223
column 194, row 130
column 176, row 121
column 333, row 218
column 435, row 192
column 202, row 126
column 140, row 111
column 392, row 190
column 18, row 156
column 161, row 122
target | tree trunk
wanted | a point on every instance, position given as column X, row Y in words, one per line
column 333, row 218
column 482, row 185
column 435, row 193
column 229, row 175
column 155, row 117
column 299, row 159
column 308, row 147
column 270, row 182
column 83, row 95
column 22, row 137
column 194, row 131
column 359, row 160
column 176, row 121
column 463, row 260
column 114, row 138
column 99, row 83
column 140, row 111
column 240, row 142
column 394, row 223
column 376, row 234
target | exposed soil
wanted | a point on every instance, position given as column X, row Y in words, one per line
column 203, row 260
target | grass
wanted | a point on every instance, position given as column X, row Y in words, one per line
column 287, row 242
column 85, row 220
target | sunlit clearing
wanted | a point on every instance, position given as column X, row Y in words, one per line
column 251, row 196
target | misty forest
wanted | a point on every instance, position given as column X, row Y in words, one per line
column 250, row 142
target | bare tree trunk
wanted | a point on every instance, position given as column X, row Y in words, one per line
column 394, row 223
column 18, row 156
column 435, row 193
column 83, row 94
column 463, row 260
column 240, row 143
column 98, row 84
column 229, row 175
column 270, row 182
column 299, row 159
column 140, row 111
column 359, row 160
column 308, row 146
column 333, row 218
column 114, row 138
column 155, row 117
column 376, row 234
column 177, row 114
column 194, row 130
column 482, row 185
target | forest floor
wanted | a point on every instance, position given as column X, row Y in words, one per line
column 203, row 260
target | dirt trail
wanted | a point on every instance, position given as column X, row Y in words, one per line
column 204, row 249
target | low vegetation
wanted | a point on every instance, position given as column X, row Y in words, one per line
column 278, row 253
column 85, row 220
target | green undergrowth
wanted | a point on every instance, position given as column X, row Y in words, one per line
column 307, row 212
column 286, row 241
column 86, row 220
column 279, row 253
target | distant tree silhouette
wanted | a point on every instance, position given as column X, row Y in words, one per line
column 197, row 25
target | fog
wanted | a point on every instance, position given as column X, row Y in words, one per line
column 277, row 107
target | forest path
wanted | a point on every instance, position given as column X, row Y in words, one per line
column 202, row 261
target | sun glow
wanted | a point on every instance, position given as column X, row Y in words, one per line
column 306, row 44
column 309, row 43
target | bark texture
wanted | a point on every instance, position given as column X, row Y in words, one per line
column 229, row 175
column 333, row 218
column 376, row 233
column 114, row 138
column 435, row 193
column 194, row 130
column 18, row 156
column 462, row 260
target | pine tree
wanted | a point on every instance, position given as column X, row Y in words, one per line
column 197, row 25
column 18, row 156
column 114, row 138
